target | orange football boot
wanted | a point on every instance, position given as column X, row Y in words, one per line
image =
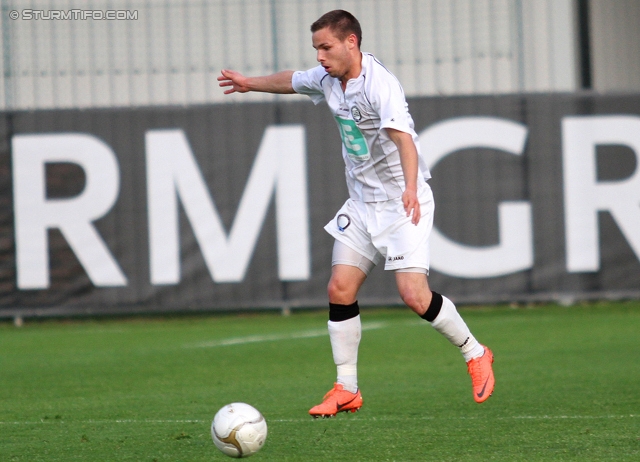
column 481, row 374
column 337, row 400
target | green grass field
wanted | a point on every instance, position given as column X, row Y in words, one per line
column 568, row 387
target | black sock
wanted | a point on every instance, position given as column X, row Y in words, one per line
column 434, row 307
column 339, row 312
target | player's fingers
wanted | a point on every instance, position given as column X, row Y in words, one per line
column 411, row 208
column 407, row 207
column 416, row 214
column 227, row 76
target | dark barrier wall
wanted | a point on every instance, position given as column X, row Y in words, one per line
column 218, row 207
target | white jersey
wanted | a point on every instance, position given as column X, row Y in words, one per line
column 373, row 101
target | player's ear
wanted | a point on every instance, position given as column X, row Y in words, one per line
column 352, row 40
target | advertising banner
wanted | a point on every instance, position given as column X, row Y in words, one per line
column 222, row 207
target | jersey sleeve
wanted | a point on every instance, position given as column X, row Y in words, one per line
column 310, row 83
column 391, row 104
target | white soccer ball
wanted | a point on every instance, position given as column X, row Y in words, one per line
column 239, row 430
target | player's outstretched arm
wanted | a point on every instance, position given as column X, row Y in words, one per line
column 279, row 82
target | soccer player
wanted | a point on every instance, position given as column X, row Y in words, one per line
column 389, row 214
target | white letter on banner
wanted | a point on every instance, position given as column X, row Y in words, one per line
column 584, row 196
column 172, row 172
column 35, row 214
column 515, row 250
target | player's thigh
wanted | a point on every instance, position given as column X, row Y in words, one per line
column 413, row 287
column 343, row 254
column 416, row 281
column 349, row 269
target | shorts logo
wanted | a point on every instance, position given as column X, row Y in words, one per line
column 343, row 221
column 398, row 258
column 355, row 113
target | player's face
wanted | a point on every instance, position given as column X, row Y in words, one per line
column 335, row 55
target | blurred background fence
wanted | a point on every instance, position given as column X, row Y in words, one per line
column 116, row 76
column 167, row 52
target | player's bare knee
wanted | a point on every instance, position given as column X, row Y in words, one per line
column 340, row 292
column 418, row 301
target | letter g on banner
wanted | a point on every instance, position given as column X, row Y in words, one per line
column 515, row 249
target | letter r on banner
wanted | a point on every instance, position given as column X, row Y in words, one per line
column 35, row 214
column 585, row 196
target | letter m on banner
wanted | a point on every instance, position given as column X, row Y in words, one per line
column 173, row 173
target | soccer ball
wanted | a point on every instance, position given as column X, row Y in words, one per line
column 239, row 430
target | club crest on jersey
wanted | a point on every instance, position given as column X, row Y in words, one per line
column 343, row 221
column 355, row 113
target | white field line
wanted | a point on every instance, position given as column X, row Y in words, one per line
column 308, row 419
column 278, row 337
column 523, row 417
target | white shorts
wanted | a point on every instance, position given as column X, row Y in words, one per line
column 382, row 230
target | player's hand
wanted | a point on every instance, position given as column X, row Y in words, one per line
column 411, row 205
column 233, row 79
